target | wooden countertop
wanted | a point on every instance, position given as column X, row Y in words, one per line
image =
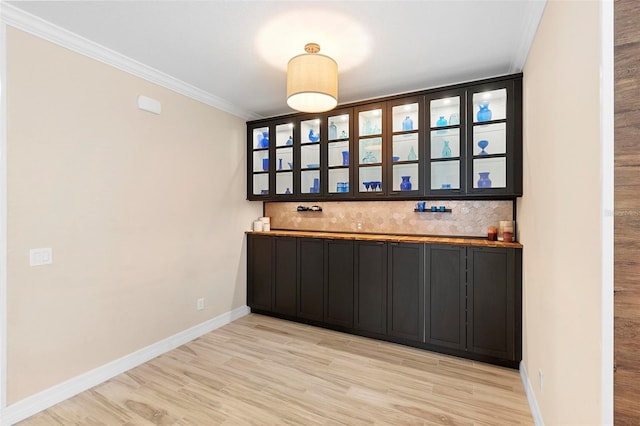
column 479, row 242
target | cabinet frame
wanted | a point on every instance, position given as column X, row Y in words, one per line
column 513, row 188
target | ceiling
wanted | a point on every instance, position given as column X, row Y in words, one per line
column 237, row 50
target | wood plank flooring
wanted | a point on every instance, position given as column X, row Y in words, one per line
column 265, row 371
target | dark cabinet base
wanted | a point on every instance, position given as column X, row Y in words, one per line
column 464, row 301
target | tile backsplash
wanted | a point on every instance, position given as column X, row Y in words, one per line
column 467, row 218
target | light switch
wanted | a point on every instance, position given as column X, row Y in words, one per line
column 40, row 256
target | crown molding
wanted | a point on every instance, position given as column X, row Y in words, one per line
column 32, row 24
column 534, row 11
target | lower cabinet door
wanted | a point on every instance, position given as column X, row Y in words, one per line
column 285, row 283
column 371, row 286
column 445, row 296
column 406, row 291
column 339, row 284
column 492, row 301
column 259, row 272
column 311, row 278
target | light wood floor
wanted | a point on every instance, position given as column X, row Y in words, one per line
column 264, row 371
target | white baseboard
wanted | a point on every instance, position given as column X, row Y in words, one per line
column 531, row 398
column 65, row 390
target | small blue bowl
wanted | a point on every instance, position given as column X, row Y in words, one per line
column 395, row 159
column 313, row 166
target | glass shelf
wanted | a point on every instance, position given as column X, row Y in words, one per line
column 310, row 181
column 494, row 137
column 445, row 112
column 338, row 127
column 405, row 117
column 261, row 138
column 310, row 156
column 261, row 184
column 445, row 143
column 284, row 183
column 445, row 174
column 405, row 147
column 370, row 150
column 310, row 131
column 370, row 122
column 370, row 179
column 338, row 154
column 497, row 169
column 338, row 180
column 490, row 105
column 406, row 170
column 284, row 135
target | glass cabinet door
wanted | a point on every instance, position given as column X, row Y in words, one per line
column 405, row 146
column 338, row 153
column 310, row 156
column 488, row 148
column 260, row 161
column 283, row 160
column 446, row 142
column 369, row 150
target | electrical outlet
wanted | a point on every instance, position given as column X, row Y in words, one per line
column 359, row 226
column 540, row 377
column 200, row 304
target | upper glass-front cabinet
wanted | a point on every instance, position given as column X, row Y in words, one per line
column 258, row 182
column 338, row 154
column 369, row 150
column 406, row 146
column 493, row 154
column 455, row 142
column 445, row 156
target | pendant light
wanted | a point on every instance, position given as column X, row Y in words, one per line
column 312, row 81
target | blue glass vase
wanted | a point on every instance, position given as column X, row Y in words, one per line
column 345, row 158
column 441, row 121
column 482, row 145
column 446, row 150
column 263, row 140
column 484, row 114
column 484, row 181
column 405, row 185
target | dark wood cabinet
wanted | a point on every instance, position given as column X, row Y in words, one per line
column 285, row 273
column 460, row 300
column 260, row 272
column 371, row 286
column 311, row 279
column 405, row 307
column 445, row 298
column 459, row 141
column 492, row 304
column 339, row 283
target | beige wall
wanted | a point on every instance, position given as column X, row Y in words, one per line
column 560, row 214
column 145, row 213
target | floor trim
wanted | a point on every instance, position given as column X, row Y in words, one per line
column 531, row 397
column 58, row 393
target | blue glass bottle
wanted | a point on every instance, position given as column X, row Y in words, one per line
column 441, row 121
column 333, row 131
column 407, row 124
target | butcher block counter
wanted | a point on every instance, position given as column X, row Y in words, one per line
column 395, row 238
